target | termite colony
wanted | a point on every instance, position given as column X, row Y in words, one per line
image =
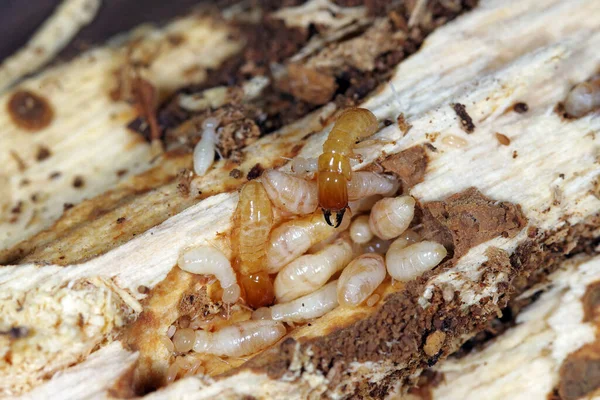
column 291, row 263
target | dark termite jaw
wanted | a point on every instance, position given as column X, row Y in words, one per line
column 339, row 215
column 327, row 215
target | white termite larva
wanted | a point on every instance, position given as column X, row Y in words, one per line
column 583, row 98
column 207, row 260
column 241, row 339
column 360, row 232
column 454, row 141
column 311, row 271
column 360, row 279
column 408, row 263
column 304, row 167
column 290, row 193
column 391, row 216
column 304, row 308
column 366, row 183
column 293, row 238
column 204, row 152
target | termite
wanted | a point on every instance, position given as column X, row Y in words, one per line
column 293, row 238
column 240, row 339
column 290, row 193
column 313, row 305
column 406, row 261
column 206, row 260
column 334, row 170
column 366, row 184
column 253, row 220
column 391, row 216
column 360, row 232
column 360, row 279
column 311, row 271
column 204, row 152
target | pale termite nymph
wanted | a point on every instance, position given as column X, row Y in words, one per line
column 290, row 193
column 293, row 238
column 204, row 152
column 311, row 271
column 207, row 260
column 391, row 216
column 302, row 309
column 407, row 263
column 360, row 279
column 365, row 184
column 240, row 339
column 360, row 231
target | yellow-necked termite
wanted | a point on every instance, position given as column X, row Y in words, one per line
column 334, row 170
column 583, row 98
column 302, row 309
column 204, row 152
column 240, row 339
column 253, row 220
column 290, row 193
column 207, row 260
column 293, row 238
column 311, row 271
column 407, row 263
column 391, row 216
column 366, row 183
column 360, row 279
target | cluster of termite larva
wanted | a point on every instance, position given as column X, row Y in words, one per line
column 291, row 263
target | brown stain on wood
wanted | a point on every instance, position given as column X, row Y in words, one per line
column 29, row 111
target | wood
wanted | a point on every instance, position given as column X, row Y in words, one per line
column 500, row 54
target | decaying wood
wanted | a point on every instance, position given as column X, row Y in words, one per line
column 553, row 347
column 87, row 117
column 496, row 56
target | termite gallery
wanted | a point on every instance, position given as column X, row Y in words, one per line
column 290, row 265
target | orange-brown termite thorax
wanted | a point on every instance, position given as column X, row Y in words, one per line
column 334, row 170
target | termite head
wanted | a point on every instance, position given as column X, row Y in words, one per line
column 333, row 195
